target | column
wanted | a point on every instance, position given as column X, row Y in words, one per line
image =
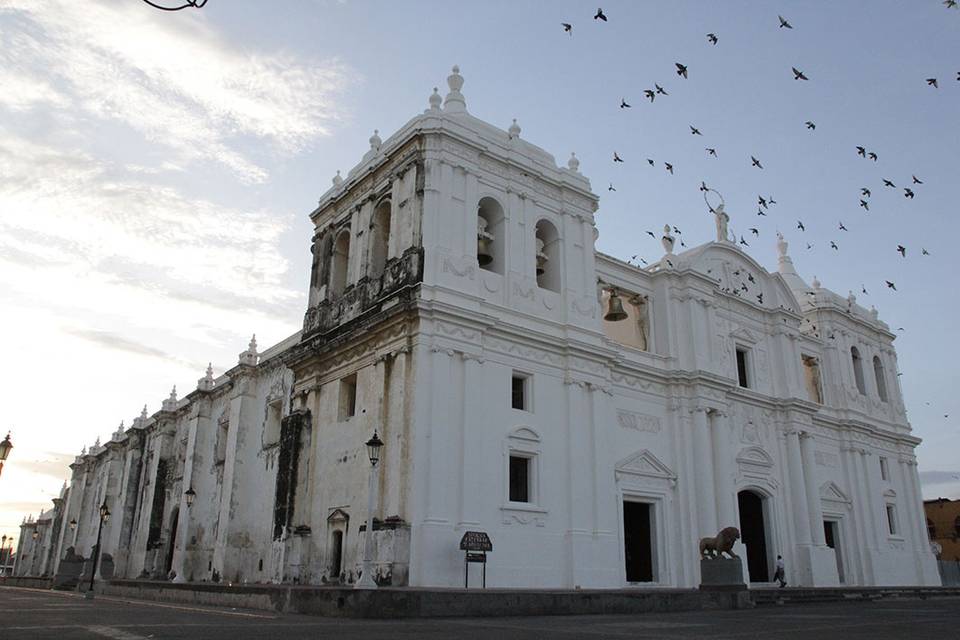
column 913, row 506
column 723, row 466
column 870, row 496
column 814, row 509
column 703, row 478
column 798, row 492
column 848, row 457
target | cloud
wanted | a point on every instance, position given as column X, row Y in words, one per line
column 114, row 341
column 177, row 82
column 939, row 477
column 53, row 464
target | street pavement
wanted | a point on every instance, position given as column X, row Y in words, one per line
column 26, row 614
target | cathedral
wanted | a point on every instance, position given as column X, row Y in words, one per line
column 593, row 418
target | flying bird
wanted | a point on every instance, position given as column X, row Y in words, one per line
column 617, row 158
column 864, row 289
column 843, row 228
column 810, row 125
column 887, row 183
column 695, row 131
column 798, row 75
column 712, row 152
column 872, row 156
column 744, row 242
column 902, row 250
column 761, row 202
column 760, row 298
column 924, row 252
column 755, row 162
column 800, row 226
column 890, row 285
column 933, row 83
column 610, row 188
column 650, row 162
column 703, row 186
column 833, row 245
column 784, row 24
column 861, row 151
column 660, row 89
column 599, row 15
column 771, row 200
column 681, row 69
column 760, row 212
column 809, row 246
column 865, row 191
column 754, row 231
column 916, row 180
column 669, row 167
column 649, row 94
column 567, row 27
column 712, row 38
column 908, row 193
column 863, row 203
column 950, row 4
column 650, row 233
column 624, row 104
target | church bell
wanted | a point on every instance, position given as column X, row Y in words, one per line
column 484, row 257
column 615, row 311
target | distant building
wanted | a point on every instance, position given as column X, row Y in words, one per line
column 594, row 417
column 943, row 526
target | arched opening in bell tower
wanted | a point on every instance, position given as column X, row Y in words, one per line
column 379, row 238
column 491, row 242
column 547, row 260
column 341, row 256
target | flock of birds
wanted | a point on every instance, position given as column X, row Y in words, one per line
column 764, row 203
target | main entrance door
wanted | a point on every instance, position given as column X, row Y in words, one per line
column 831, row 531
column 638, row 541
column 753, row 534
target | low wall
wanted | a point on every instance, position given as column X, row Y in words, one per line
column 29, row 583
column 949, row 572
column 426, row 603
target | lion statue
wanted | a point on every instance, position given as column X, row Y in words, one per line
column 722, row 544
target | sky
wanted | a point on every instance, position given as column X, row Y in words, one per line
column 157, row 170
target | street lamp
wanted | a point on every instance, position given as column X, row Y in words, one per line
column 366, row 580
column 104, row 516
column 73, row 525
column 5, row 446
column 190, row 495
column 35, row 534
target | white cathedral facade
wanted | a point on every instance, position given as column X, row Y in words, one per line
column 594, row 418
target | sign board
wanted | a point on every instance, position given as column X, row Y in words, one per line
column 476, row 557
column 475, row 541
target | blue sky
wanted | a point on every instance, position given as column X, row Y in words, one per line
column 156, row 171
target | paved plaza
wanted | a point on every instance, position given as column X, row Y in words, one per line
column 44, row 615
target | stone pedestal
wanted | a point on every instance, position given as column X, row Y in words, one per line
column 722, row 574
column 68, row 571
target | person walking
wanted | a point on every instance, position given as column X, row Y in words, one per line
column 779, row 575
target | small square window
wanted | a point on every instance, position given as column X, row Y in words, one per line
column 892, row 519
column 884, row 469
column 520, row 391
column 348, row 397
column 519, row 479
column 742, row 376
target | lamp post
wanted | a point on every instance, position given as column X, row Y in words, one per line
column 5, row 446
column 3, row 554
column 104, row 516
column 183, row 531
column 366, row 580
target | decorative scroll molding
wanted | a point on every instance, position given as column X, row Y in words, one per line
column 638, row 421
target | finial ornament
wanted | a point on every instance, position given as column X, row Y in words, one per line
column 667, row 240
column 573, row 163
column 816, row 283
column 722, row 219
column 170, row 404
column 143, row 413
column 337, row 179
column 874, row 313
column 455, row 102
column 206, row 383
column 435, row 100
column 782, row 245
column 375, row 140
column 250, row 356
column 514, row 130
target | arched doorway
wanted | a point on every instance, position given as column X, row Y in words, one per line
column 174, row 523
column 753, row 534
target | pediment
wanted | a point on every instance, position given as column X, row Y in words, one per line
column 525, row 433
column 745, row 335
column 644, row 463
column 338, row 515
column 755, row 457
column 830, row 491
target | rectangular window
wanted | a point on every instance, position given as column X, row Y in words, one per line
column 348, row 397
column 520, row 392
column 519, row 479
column 742, row 368
column 892, row 519
column 884, row 470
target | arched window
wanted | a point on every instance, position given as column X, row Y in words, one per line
column 341, row 256
column 858, row 369
column 931, row 529
column 547, row 261
column 491, row 243
column 379, row 238
column 881, row 379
